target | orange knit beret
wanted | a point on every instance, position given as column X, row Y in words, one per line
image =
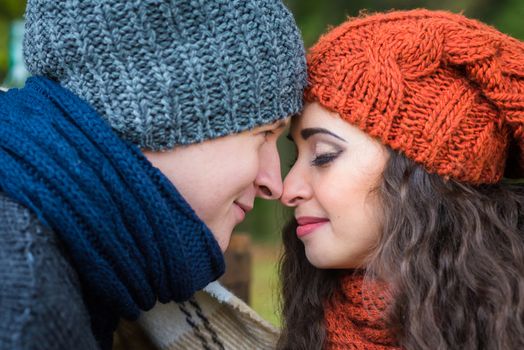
column 445, row 90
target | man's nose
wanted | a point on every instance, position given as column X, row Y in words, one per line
column 269, row 180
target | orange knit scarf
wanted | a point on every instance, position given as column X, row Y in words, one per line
column 355, row 316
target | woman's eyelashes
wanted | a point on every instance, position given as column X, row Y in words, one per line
column 325, row 158
column 324, row 153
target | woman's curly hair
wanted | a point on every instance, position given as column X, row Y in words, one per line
column 452, row 253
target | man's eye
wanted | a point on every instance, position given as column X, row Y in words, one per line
column 266, row 133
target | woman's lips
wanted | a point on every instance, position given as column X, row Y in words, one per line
column 308, row 224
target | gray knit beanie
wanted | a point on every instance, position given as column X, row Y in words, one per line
column 170, row 72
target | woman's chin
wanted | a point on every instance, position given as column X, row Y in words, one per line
column 318, row 259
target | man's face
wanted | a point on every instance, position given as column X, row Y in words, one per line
column 220, row 178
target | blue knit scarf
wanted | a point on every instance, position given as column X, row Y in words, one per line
column 130, row 235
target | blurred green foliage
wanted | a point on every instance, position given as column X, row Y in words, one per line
column 9, row 11
column 4, row 32
column 315, row 17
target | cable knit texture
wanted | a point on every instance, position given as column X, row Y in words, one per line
column 446, row 90
column 355, row 316
column 165, row 72
column 130, row 235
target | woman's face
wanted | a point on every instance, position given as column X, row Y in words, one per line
column 331, row 188
column 220, row 178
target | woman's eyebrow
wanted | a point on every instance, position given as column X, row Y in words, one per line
column 306, row 133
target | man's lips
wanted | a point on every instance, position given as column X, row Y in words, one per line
column 308, row 224
column 242, row 211
column 245, row 207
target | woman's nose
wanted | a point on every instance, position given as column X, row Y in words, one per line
column 296, row 188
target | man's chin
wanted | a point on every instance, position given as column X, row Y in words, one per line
column 223, row 239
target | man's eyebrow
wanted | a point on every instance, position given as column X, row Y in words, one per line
column 308, row 132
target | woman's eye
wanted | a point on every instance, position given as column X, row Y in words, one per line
column 325, row 158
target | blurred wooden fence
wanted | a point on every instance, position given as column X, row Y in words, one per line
column 238, row 266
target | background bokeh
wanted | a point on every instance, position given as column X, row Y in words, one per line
column 313, row 17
